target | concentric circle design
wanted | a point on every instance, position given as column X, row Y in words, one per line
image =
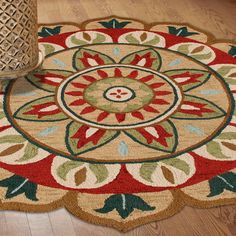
column 119, row 95
column 97, row 105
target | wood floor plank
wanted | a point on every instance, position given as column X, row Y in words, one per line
column 3, row 224
column 62, row 223
column 40, row 224
column 17, row 224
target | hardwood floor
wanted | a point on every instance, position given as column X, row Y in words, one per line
column 216, row 16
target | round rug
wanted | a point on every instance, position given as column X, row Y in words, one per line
column 124, row 123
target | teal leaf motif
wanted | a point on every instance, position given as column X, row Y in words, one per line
column 175, row 62
column 124, row 204
column 47, row 131
column 209, row 92
column 45, row 32
column 123, row 149
column 114, row 24
column 232, row 51
column 219, row 183
column 116, row 51
column 194, row 129
column 17, row 185
column 182, row 31
column 58, row 62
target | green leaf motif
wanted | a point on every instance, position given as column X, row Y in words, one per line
column 100, row 172
column 197, row 78
column 45, row 32
column 202, row 56
column 184, row 48
column 227, row 136
column 133, row 40
column 147, row 54
column 215, row 150
column 72, row 143
column 227, row 72
column 66, row 167
column 36, row 111
column 199, row 53
column 232, row 51
column 114, row 24
column 17, row 185
column 2, row 115
column 48, row 49
column 219, row 183
column 84, row 54
column 12, row 139
column 124, row 204
column 178, row 164
column 182, row 31
column 146, row 171
column 30, row 152
column 100, row 38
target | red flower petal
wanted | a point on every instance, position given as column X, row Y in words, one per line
column 133, row 74
column 232, row 124
column 117, row 72
column 87, row 110
column 79, row 102
column 147, row 78
column 195, row 108
column 102, row 74
column 102, row 116
column 138, row 115
column 98, row 60
column 5, row 127
column 150, row 109
column 89, row 78
column 156, row 133
column 144, row 60
column 79, row 85
column 83, row 137
column 120, row 117
column 157, row 85
column 162, row 93
column 74, row 93
column 160, row 102
column 190, row 78
column 45, row 78
column 42, row 110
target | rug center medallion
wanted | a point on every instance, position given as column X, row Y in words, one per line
column 120, row 90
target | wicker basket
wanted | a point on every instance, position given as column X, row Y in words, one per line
column 19, row 51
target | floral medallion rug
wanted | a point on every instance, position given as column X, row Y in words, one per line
column 125, row 123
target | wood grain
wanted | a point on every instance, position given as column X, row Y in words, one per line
column 215, row 16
